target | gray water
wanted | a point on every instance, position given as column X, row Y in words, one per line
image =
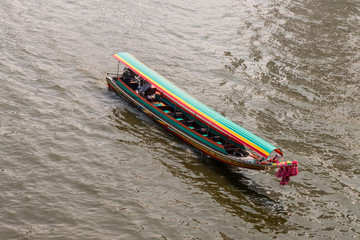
column 79, row 162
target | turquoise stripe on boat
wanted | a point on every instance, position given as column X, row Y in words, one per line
column 214, row 118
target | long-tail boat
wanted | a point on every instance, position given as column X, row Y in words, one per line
column 192, row 121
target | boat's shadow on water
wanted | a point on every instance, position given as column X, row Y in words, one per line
column 237, row 184
column 229, row 186
column 231, row 189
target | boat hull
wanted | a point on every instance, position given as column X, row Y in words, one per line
column 207, row 148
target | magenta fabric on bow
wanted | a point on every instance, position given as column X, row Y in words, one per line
column 285, row 172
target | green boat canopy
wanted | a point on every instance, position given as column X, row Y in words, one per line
column 200, row 110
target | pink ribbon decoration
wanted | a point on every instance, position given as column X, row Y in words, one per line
column 285, row 172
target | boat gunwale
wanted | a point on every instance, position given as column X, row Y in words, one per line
column 207, row 140
column 227, row 158
column 209, row 116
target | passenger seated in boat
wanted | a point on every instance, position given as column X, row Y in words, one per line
column 145, row 86
column 128, row 75
column 150, row 93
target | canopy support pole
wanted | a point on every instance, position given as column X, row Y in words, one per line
column 117, row 74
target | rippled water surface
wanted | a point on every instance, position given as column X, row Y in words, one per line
column 79, row 162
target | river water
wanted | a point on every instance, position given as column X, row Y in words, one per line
column 79, row 162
